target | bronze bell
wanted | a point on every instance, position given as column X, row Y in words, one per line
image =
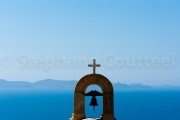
column 93, row 102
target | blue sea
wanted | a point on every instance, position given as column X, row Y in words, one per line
column 56, row 104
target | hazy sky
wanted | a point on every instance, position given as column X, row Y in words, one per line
column 135, row 41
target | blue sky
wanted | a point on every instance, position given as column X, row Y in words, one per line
column 89, row 29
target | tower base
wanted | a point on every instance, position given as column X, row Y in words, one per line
column 107, row 117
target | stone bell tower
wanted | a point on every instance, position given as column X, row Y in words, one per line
column 79, row 95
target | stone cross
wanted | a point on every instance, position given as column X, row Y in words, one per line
column 94, row 65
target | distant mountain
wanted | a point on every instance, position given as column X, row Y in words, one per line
column 122, row 86
column 55, row 83
column 4, row 83
column 48, row 83
column 64, row 84
column 167, row 86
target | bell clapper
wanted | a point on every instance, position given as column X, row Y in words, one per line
column 95, row 111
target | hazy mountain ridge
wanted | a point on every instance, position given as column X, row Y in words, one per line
column 51, row 83
column 55, row 83
column 4, row 83
column 120, row 85
column 47, row 83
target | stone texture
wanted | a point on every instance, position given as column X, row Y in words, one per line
column 108, row 96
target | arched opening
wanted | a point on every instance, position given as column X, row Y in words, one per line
column 89, row 112
column 79, row 96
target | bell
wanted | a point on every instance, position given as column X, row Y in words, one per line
column 93, row 102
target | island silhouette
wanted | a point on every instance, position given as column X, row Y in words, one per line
column 69, row 84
